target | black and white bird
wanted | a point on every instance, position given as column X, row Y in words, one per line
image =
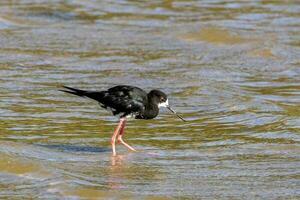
column 126, row 101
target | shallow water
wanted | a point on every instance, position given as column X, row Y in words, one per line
column 231, row 68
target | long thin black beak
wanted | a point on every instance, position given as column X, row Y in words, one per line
column 173, row 111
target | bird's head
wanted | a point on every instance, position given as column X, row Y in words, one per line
column 161, row 100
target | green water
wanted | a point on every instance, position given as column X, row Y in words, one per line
column 231, row 68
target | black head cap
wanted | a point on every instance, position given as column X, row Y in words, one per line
column 158, row 97
column 161, row 100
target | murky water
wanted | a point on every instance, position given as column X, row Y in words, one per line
column 230, row 67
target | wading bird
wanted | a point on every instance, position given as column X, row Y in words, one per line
column 126, row 101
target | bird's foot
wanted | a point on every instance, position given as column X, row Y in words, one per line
column 120, row 140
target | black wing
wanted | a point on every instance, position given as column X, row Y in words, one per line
column 122, row 99
column 83, row 93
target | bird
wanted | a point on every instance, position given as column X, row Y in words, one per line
column 125, row 101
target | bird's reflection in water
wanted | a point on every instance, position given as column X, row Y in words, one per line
column 117, row 160
column 117, row 171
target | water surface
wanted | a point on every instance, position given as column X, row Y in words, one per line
column 231, row 68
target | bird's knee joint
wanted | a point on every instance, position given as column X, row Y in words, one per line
column 119, row 140
column 113, row 141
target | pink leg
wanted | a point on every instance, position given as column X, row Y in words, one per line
column 113, row 138
column 120, row 137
